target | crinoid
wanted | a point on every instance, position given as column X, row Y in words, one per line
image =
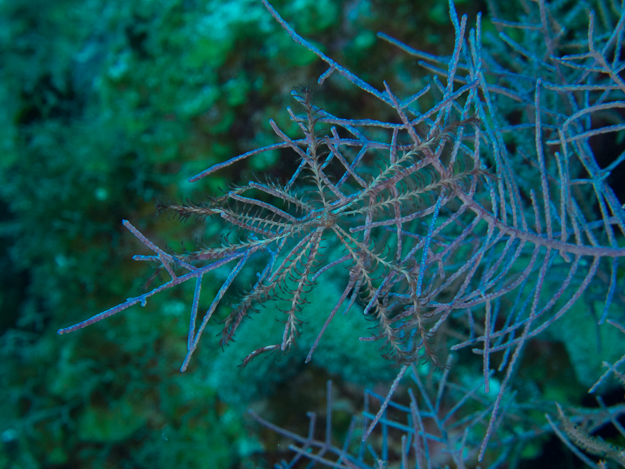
column 334, row 213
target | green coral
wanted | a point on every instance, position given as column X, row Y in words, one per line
column 340, row 352
column 588, row 344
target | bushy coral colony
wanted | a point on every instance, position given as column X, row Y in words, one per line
column 475, row 220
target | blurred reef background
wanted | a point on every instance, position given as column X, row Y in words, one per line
column 109, row 105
